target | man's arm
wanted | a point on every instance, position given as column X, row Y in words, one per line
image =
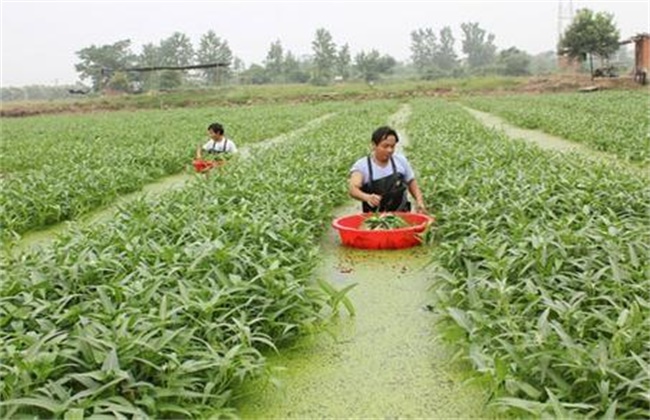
column 354, row 188
column 414, row 189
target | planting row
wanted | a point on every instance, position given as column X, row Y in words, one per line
column 615, row 122
column 57, row 168
column 542, row 268
column 164, row 310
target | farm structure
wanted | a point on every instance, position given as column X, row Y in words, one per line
column 641, row 56
column 641, row 42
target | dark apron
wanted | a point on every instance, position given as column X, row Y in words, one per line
column 392, row 189
column 213, row 150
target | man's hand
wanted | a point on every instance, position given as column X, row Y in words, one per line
column 373, row 200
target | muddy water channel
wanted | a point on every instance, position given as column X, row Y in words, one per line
column 550, row 142
column 386, row 361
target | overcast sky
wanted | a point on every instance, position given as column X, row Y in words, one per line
column 40, row 38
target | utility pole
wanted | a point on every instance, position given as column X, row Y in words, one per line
column 564, row 17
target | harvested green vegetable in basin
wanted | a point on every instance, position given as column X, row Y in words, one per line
column 384, row 221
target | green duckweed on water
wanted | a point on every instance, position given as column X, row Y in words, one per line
column 387, row 361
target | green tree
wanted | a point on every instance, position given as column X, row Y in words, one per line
column 514, row 62
column 367, row 65
column 424, row 48
column 256, row 75
column 481, row 51
column 175, row 51
column 149, row 57
column 274, row 63
column 98, row 63
column 12, row 93
column 170, row 79
column 445, row 57
column 294, row 70
column 238, row 64
column 119, row 82
column 343, row 62
column 544, row 63
column 324, row 57
column 238, row 68
column 213, row 49
column 371, row 65
column 590, row 34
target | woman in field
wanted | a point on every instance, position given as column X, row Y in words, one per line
column 383, row 179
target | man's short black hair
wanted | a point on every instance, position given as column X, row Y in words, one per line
column 216, row 128
column 382, row 132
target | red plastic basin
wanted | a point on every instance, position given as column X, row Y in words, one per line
column 206, row 165
column 352, row 236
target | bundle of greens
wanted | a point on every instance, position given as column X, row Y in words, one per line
column 384, row 221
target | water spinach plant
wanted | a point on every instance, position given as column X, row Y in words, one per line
column 384, row 221
column 615, row 122
column 57, row 168
column 164, row 310
column 540, row 266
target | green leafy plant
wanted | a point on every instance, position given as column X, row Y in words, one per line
column 540, row 277
column 164, row 310
column 384, row 221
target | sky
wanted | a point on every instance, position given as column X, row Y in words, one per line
column 39, row 39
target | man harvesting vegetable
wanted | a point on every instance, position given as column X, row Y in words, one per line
column 218, row 147
column 217, row 144
column 382, row 179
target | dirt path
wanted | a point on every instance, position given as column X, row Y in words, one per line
column 385, row 362
column 38, row 238
column 550, row 142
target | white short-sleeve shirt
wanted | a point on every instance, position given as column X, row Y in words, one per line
column 402, row 166
column 220, row 146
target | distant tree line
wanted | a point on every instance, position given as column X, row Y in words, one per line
column 39, row 92
column 433, row 56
